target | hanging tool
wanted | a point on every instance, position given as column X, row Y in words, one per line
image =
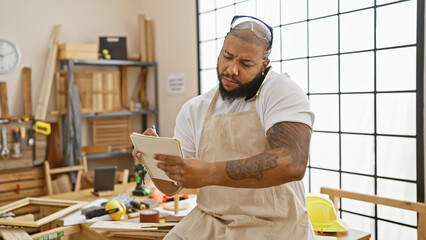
column 16, row 145
column 43, row 128
column 5, row 151
column 140, row 190
column 31, row 139
column 23, row 139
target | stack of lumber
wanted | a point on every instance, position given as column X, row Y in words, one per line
column 78, row 51
column 98, row 91
column 133, row 229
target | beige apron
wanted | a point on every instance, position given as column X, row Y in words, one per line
column 241, row 213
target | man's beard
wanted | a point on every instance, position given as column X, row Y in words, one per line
column 246, row 90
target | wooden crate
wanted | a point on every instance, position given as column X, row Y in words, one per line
column 98, row 91
column 114, row 131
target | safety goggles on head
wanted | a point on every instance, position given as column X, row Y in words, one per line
column 238, row 19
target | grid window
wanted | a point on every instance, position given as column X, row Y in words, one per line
column 361, row 65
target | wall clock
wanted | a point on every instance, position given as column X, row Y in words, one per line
column 9, row 56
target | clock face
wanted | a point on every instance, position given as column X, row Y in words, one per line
column 9, row 56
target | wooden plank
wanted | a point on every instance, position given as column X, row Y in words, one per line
column 33, row 192
column 3, row 100
column 12, row 186
column 93, row 149
column 14, row 234
column 127, row 226
column 27, row 92
column 48, row 75
column 413, row 206
column 123, row 86
column 67, row 230
column 149, row 40
column 66, row 169
column 82, row 47
column 421, row 227
column 21, row 174
column 142, row 37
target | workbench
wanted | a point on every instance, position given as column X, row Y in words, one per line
column 86, row 195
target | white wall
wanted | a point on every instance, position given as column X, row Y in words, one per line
column 29, row 24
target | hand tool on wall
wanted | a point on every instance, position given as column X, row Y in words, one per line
column 5, row 151
column 16, row 144
column 43, row 128
column 31, row 138
column 23, row 138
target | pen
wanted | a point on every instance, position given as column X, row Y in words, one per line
column 153, row 128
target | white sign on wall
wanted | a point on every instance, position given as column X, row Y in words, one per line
column 176, row 84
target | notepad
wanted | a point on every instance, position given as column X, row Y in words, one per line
column 149, row 145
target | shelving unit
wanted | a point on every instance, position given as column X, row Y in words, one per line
column 70, row 67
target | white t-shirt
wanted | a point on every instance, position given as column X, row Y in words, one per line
column 280, row 99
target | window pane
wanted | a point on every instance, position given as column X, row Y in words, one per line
column 269, row 11
column 391, row 231
column 219, row 45
column 323, row 75
column 396, row 69
column 294, row 41
column 357, row 112
column 357, row 31
column 380, row 2
column 306, row 181
column 276, row 66
column 361, row 223
column 320, row 8
column 324, row 150
column 391, row 213
column 293, row 11
column 208, row 80
column 348, row 5
column 326, row 111
column 359, row 184
column 396, row 24
column 208, row 54
column 396, row 113
column 207, row 25
column 205, row 5
column 224, row 18
column 222, row 3
column 298, row 71
column 396, row 190
column 322, row 178
column 358, row 153
column 323, row 36
column 246, row 8
column 276, row 45
column 396, row 157
column 357, row 72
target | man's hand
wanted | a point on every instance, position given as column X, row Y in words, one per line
column 187, row 172
column 137, row 155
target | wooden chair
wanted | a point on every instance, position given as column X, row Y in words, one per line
column 420, row 208
column 80, row 169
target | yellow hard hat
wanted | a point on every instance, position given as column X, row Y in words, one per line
column 115, row 209
column 322, row 215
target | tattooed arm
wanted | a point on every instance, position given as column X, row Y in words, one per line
column 285, row 162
